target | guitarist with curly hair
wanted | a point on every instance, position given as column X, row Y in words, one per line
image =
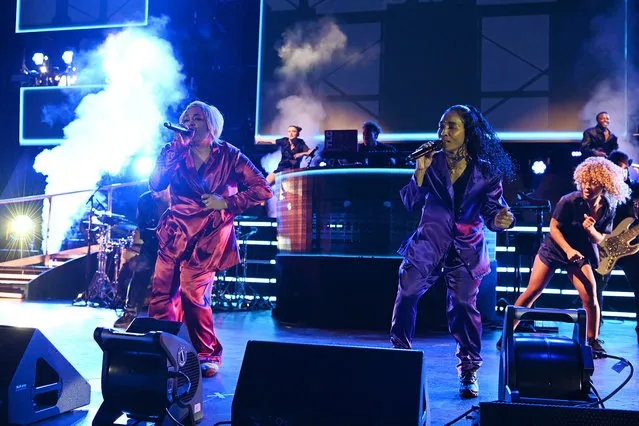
column 579, row 222
column 622, row 248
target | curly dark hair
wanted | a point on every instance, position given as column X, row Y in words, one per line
column 483, row 143
column 373, row 126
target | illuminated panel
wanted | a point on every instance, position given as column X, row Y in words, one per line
column 273, row 13
column 45, row 111
column 47, row 15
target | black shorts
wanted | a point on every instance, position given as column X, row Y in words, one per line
column 554, row 260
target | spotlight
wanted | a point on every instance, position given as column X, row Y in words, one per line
column 576, row 154
column 21, row 227
column 67, row 57
column 38, row 58
column 538, row 167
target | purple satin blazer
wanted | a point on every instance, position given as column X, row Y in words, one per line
column 210, row 234
column 440, row 226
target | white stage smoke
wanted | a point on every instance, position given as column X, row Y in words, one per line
column 111, row 126
column 305, row 49
column 310, row 46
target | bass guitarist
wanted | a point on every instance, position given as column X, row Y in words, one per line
column 629, row 264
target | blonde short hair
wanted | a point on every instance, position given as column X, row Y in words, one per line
column 213, row 117
column 602, row 172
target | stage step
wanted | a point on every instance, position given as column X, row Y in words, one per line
column 14, row 280
column 16, row 274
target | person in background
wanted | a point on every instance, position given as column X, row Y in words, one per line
column 196, row 236
column 599, row 141
column 458, row 190
column 293, row 148
column 579, row 221
column 372, row 152
column 629, row 264
column 151, row 206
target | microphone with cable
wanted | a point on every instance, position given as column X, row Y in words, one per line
column 178, row 128
column 425, row 149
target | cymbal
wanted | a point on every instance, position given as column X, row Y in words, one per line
column 113, row 219
column 128, row 227
column 94, row 222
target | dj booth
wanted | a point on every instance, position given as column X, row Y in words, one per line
column 338, row 234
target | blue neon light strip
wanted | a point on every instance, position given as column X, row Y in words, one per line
column 625, row 69
column 259, row 68
column 505, row 136
column 350, row 256
column 347, row 171
column 80, row 27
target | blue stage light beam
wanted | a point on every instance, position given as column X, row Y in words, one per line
column 505, row 136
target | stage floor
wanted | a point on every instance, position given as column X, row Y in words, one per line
column 70, row 329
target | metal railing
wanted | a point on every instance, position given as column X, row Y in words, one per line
column 109, row 189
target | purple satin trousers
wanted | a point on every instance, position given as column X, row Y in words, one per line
column 183, row 293
column 464, row 320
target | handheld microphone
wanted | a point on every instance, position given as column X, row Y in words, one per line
column 425, row 149
column 178, row 128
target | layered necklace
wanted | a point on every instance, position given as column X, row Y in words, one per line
column 454, row 160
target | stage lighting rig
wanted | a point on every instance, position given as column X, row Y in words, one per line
column 44, row 73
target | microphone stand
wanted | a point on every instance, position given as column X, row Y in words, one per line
column 83, row 297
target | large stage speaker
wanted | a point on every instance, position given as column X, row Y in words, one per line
column 297, row 384
column 502, row 413
column 36, row 381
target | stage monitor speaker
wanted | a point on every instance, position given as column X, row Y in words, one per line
column 36, row 381
column 499, row 413
column 298, row 384
column 143, row 325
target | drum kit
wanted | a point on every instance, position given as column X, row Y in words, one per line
column 114, row 234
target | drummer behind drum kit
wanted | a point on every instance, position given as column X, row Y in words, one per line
column 114, row 234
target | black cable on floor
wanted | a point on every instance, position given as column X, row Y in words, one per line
column 624, row 383
column 473, row 408
column 226, row 422
column 594, row 389
column 177, row 422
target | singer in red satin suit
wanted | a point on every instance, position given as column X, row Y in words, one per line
column 458, row 190
column 196, row 235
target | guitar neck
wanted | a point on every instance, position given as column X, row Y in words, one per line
column 631, row 233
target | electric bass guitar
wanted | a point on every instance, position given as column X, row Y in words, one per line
column 617, row 245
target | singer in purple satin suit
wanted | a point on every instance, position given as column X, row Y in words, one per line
column 196, row 235
column 459, row 190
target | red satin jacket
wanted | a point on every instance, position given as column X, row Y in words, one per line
column 205, row 238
